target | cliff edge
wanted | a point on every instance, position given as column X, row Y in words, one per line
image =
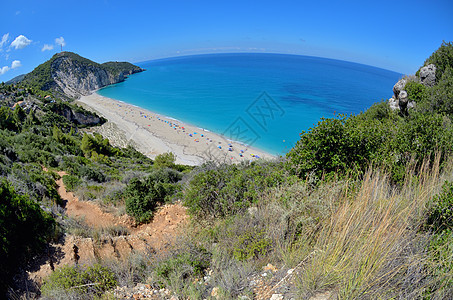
column 74, row 76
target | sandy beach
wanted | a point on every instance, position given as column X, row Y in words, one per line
column 154, row 134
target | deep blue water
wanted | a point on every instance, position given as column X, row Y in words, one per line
column 265, row 100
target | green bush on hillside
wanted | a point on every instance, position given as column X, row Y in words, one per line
column 185, row 266
column 219, row 191
column 91, row 173
column 251, row 244
column 441, row 95
column 71, row 182
column 24, row 229
column 143, row 196
column 440, row 216
column 338, row 144
column 95, row 144
column 416, row 92
column 441, row 58
column 94, row 280
column 166, row 160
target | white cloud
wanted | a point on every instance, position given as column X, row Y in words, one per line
column 4, row 70
column 60, row 41
column 20, row 42
column 47, row 47
column 4, row 39
column 16, row 64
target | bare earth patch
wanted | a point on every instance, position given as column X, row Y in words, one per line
column 155, row 236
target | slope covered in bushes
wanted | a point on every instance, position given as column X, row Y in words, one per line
column 360, row 208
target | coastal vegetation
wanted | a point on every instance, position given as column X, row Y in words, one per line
column 360, row 208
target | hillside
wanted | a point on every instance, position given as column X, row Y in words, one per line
column 360, row 208
column 72, row 75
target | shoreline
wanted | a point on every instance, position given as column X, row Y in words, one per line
column 153, row 134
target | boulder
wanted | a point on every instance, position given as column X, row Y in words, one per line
column 393, row 103
column 399, row 86
column 428, row 75
column 403, row 101
column 402, row 98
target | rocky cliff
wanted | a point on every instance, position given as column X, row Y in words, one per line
column 400, row 100
column 73, row 75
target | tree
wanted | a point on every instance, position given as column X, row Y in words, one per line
column 165, row 160
column 24, row 229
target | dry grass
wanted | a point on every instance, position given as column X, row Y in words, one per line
column 78, row 227
column 365, row 249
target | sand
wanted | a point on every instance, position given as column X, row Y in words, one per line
column 154, row 134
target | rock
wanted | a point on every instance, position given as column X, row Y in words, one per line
column 402, row 98
column 122, row 247
column 399, row 86
column 75, row 78
column 428, row 75
column 270, row 267
column 402, row 102
column 252, row 210
column 276, row 297
column 393, row 103
column 322, row 296
column 215, row 292
column 78, row 117
column 74, row 75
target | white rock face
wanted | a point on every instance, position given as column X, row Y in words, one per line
column 428, row 75
column 76, row 79
column 393, row 103
column 398, row 87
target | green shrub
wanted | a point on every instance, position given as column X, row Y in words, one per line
column 71, row 182
column 7, row 120
column 143, row 196
column 416, row 92
column 24, row 230
column 344, row 145
column 251, row 244
column 441, row 58
column 220, row 191
column 184, row 266
column 440, row 216
column 95, row 143
column 441, row 266
column 166, row 160
column 93, row 280
column 339, row 144
column 441, row 95
column 91, row 174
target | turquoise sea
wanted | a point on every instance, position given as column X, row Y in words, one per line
column 264, row 100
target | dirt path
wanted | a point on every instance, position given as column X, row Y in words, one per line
column 155, row 236
column 90, row 212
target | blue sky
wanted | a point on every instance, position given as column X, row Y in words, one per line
column 395, row 35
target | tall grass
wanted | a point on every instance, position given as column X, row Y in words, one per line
column 369, row 247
